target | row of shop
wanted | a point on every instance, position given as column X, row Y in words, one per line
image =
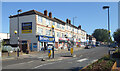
column 47, row 42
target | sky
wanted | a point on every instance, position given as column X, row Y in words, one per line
column 90, row 15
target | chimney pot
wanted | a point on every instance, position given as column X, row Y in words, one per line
column 67, row 21
column 45, row 12
column 50, row 14
column 79, row 26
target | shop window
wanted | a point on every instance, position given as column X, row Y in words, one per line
column 34, row 45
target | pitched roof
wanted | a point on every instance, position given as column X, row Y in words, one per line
column 41, row 14
column 35, row 12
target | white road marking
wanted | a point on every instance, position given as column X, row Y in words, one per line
column 43, row 65
column 30, row 62
column 21, row 63
column 82, row 59
column 40, row 57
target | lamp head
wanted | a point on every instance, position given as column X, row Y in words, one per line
column 105, row 7
column 19, row 10
column 15, row 32
column 53, row 27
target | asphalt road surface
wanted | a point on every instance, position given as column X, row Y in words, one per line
column 83, row 58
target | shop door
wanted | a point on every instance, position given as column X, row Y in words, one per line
column 24, row 46
column 45, row 45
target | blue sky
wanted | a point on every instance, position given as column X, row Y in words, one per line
column 90, row 15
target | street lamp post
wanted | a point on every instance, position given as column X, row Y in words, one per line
column 73, row 30
column 107, row 7
column 18, row 31
column 53, row 34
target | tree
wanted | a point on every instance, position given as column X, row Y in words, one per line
column 116, row 36
column 101, row 35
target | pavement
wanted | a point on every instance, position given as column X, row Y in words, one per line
column 40, row 54
column 82, row 58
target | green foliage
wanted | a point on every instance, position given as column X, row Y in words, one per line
column 101, row 35
column 116, row 36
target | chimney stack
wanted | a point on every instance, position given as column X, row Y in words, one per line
column 79, row 26
column 45, row 12
column 67, row 21
column 50, row 14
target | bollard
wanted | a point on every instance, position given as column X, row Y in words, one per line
column 8, row 54
column 71, row 50
column 49, row 53
column 17, row 52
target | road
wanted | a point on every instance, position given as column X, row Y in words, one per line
column 83, row 58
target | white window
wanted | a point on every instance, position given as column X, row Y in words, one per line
column 40, row 31
column 73, row 29
column 67, row 26
column 53, row 23
column 58, row 25
column 47, row 32
column 62, row 35
column 58, row 34
column 63, row 27
column 66, row 34
column 47, row 22
column 39, row 19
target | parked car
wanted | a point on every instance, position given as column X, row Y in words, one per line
column 97, row 43
column 113, row 45
column 9, row 48
column 88, row 47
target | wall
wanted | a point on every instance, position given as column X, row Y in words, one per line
column 23, row 36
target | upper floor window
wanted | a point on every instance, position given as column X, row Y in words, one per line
column 73, row 29
column 39, row 19
column 62, row 35
column 47, row 22
column 62, row 27
column 47, row 32
column 66, row 26
column 40, row 31
column 58, row 25
column 58, row 34
column 53, row 23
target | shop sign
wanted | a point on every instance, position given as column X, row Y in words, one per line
column 27, row 27
column 46, row 38
column 63, row 39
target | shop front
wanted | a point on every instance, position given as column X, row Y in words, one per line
column 78, row 43
column 63, row 43
column 44, row 42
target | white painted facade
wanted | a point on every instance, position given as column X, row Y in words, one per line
column 40, row 27
column 4, row 36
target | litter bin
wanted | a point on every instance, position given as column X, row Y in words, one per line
column 27, row 52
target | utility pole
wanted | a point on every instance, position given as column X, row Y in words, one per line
column 53, row 34
column 18, row 32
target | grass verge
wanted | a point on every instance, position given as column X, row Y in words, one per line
column 103, row 64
